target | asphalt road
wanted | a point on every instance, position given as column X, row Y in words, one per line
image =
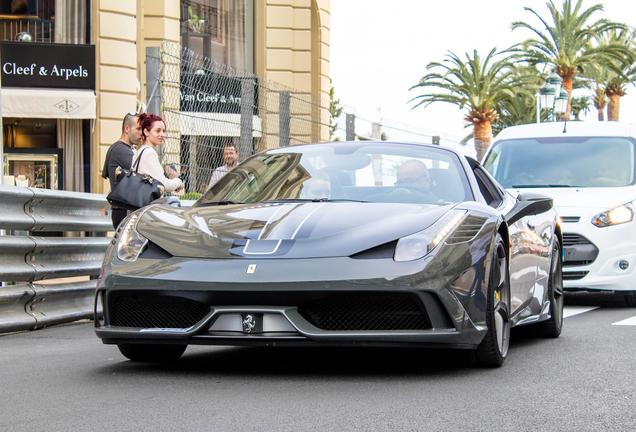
column 64, row 379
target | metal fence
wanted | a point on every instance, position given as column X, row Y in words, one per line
column 38, row 30
column 208, row 105
column 35, row 246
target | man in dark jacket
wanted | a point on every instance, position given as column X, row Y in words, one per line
column 120, row 154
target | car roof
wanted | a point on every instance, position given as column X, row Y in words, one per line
column 564, row 129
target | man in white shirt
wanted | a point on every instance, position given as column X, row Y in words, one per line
column 230, row 159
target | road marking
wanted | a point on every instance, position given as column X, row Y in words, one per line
column 627, row 322
column 569, row 311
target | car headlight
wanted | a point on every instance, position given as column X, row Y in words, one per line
column 421, row 243
column 616, row 216
column 130, row 242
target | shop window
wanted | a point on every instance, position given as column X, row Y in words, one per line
column 31, row 158
column 29, row 133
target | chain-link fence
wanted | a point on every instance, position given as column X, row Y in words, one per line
column 209, row 106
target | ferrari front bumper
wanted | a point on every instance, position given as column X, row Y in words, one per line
column 378, row 303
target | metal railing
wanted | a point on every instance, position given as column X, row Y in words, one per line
column 32, row 249
column 40, row 30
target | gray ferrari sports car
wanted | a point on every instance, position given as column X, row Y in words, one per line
column 357, row 243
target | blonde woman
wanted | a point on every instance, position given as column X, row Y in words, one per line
column 153, row 130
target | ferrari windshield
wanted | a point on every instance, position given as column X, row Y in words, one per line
column 563, row 162
column 367, row 172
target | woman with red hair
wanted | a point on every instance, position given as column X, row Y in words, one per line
column 153, row 130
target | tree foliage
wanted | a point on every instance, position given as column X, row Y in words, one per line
column 335, row 111
column 478, row 85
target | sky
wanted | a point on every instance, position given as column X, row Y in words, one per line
column 379, row 49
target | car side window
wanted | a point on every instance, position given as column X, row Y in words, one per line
column 491, row 193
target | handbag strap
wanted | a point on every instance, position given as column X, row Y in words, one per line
column 135, row 166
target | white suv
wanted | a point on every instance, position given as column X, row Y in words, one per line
column 589, row 171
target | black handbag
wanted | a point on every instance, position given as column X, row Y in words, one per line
column 134, row 190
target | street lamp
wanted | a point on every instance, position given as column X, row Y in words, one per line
column 552, row 96
column 561, row 103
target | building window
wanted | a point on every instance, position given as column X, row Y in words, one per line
column 39, row 21
column 220, row 30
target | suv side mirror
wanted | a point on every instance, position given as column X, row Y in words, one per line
column 529, row 204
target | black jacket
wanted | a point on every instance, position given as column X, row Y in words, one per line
column 119, row 154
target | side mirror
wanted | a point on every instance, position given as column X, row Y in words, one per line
column 529, row 204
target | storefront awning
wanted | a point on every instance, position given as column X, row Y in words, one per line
column 215, row 124
column 48, row 103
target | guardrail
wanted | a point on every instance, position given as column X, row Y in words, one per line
column 32, row 249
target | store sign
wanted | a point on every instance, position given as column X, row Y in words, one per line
column 27, row 64
column 215, row 93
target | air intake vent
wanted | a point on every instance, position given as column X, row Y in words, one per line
column 575, row 275
column 386, row 250
column 467, row 230
column 367, row 311
column 152, row 251
column 570, row 219
column 153, row 311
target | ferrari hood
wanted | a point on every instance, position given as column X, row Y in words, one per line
column 290, row 230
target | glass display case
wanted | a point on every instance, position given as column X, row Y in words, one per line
column 38, row 169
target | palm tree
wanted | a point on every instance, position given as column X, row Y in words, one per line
column 580, row 105
column 600, row 101
column 477, row 84
column 564, row 41
column 597, row 76
column 621, row 72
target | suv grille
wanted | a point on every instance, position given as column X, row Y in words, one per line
column 574, row 239
column 575, row 275
column 156, row 312
column 570, row 219
column 581, row 250
column 367, row 311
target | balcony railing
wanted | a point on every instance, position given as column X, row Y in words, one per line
column 40, row 30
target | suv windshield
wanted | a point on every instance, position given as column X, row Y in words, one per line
column 562, row 162
column 370, row 172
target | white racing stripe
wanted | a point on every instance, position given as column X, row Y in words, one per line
column 626, row 322
column 569, row 311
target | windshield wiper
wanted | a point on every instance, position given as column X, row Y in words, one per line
column 223, row 202
column 542, row 186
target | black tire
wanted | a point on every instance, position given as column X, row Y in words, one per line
column 630, row 299
column 493, row 349
column 551, row 328
column 151, row 353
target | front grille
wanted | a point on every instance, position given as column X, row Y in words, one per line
column 570, row 219
column 367, row 311
column 467, row 230
column 580, row 250
column 574, row 239
column 156, row 312
column 575, row 275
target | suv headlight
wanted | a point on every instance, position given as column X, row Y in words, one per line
column 130, row 243
column 421, row 243
column 616, row 216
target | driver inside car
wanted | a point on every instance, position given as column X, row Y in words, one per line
column 412, row 177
